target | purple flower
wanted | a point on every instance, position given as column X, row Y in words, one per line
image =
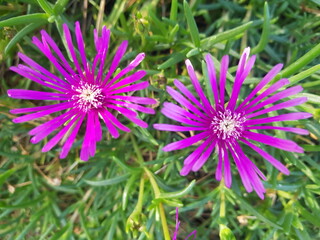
column 175, row 234
column 224, row 125
column 85, row 93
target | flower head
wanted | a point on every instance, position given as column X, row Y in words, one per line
column 84, row 93
column 224, row 125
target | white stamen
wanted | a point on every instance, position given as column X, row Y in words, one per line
column 227, row 124
column 88, row 96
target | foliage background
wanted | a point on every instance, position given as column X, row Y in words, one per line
column 42, row 197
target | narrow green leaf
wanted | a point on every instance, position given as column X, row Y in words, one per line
column 174, row 59
column 45, row 6
column 194, row 32
column 312, row 218
column 59, row 6
column 193, row 52
column 178, row 193
column 300, row 76
column 108, row 182
column 208, row 43
column 32, row 223
column 27, row 29
column 173, row 32
column 84, row 224
column 127, row 188
column 312, row 98
column 287, row 222
column 311, row 148
column 61, row 233
column 21, row 205
column 6, row 174
column 265, row 30
column 117, row 9
column 174, row 10
column 300, row 63
column 251, row 209
column 25, row 19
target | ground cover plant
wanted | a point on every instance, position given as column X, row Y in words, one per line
column 120, row 182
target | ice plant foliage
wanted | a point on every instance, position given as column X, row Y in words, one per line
column 224, row 125
column 85, row 93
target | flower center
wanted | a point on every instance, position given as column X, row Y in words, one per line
column 88, row 96
column 227, row 124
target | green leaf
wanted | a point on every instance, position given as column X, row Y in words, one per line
column 194, row 32
column 193, row 52
column 174, row 10
column 61, row 234
column 117, row 9
column 25, row 19
column 108, row 182
column 312, row 218
column 178, row 193
column 6, row 174
column 300, row 63
column 287, row 222
column 311, row 148
column 300, row 76
column 208, row 43
column 27, row 29
column 59, row 6
column 127, row 188
column 265, row 31
column 251, row 209
column 174, row 59
column 45, row 6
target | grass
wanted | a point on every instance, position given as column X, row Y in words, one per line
column 130, row 189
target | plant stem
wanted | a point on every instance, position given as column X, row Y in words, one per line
column 161, row 209
column 222, row 200
column 136, row 149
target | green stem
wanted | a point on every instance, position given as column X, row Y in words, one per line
column 222, row 200
column 136, row 149
column 161, row 208
column 140, row 197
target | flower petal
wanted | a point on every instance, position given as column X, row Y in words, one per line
column 53, row 141
column 196, row 85
column 116, row 59
column 270, row 75
column 212, row 77
column 186, row 142
column 68, row 144
column 184, row 102
column 287, row 129
column 175, row 128
column 59, row 107
column 284, row 144
column 277, row 164
column 287, row 104
column 276, row 97
column 182, row 88
column 279, row 118
column 204, row 156
column 135, row 99
column 36, row 95
column 223, row 77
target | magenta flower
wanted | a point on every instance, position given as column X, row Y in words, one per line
column 224, row 125
column 175, row 234
column 85, row 94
